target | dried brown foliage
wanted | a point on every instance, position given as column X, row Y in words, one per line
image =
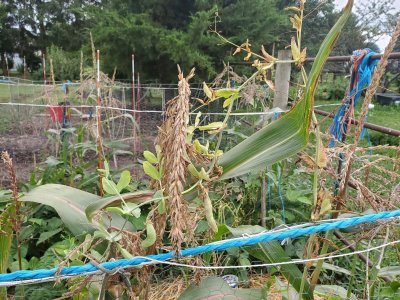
column 361, row 120
column 172, row 140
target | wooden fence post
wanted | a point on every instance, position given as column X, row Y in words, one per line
column 282, row 78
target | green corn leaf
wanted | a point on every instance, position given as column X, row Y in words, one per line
column 288, row 135
column 71, row 205
column 272, row 252
column 217, row 288
column 5, row 244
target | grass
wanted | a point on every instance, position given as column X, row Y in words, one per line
column 383, row 115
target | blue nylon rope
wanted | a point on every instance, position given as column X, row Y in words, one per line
column 364, row 72
column 218, row 246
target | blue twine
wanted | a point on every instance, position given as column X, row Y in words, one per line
column 217, row 246
column 363, row 73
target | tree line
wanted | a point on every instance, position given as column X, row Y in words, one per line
column 163, row 33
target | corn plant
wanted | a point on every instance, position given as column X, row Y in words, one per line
column 183, row 169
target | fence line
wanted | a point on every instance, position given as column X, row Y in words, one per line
column 145, row 111
column 89, row 269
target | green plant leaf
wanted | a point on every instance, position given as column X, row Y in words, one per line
column 124, row 180
column 225, row 93
column 109, row 186
column 272, row 252
column 6, row 237
column 211, row 126
column 391, row 271
column 150, row 157
column 135, row 197
column 192, row 169
column 70, row 204
column 288, row 135
column 217, row 288
column 151, row 236
column 131, row 209
column 159, row 197
column 44, row 236
column 151, row 171
column 333, row 292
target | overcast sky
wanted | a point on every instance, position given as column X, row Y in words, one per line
column 382, row 42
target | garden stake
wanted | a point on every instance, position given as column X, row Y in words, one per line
column 44, row 69
column 24, row 68
column 6, row 59
column 98, row 116
column 138, row 109
column 134, row 109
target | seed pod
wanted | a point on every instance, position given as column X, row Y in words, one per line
column 151, row 236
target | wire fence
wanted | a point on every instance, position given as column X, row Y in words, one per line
column 38, row 120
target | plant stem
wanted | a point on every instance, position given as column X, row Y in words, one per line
column 305, row 271
column 263, row 200
column 315, row 196
column 318, row 268
column 316, row 167
column 353, row 271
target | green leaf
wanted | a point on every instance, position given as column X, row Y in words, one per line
column 151, row 171
column 159, row 197
column 51, row 161
column 109, row 186
column 217, row 288
column 225, row 93
column 44, row 236
column 124, row 180
column 334, row 268
column 305, row 200
column 292, row 195
column 229, row 100
column 6, row 237
column 150, row 157
column 70, row 204
column 333, row 292
column 391, row 271
column 125, row 253
column 192, row 169
column 289, row 134
column 197, row 120
column 132, row 209
column 151, row 236
column 211, row 126
column 207, row 91
column 34, row 263
column 109, row 236
column 135, row 197
column 106, row 169
column 272, row 252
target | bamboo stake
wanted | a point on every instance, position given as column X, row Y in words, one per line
column 44, row 69
column 6, row 59
column 134, row 107
column 138, row 113
column 98, row 116
column 24, row 68
column 52, row 72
